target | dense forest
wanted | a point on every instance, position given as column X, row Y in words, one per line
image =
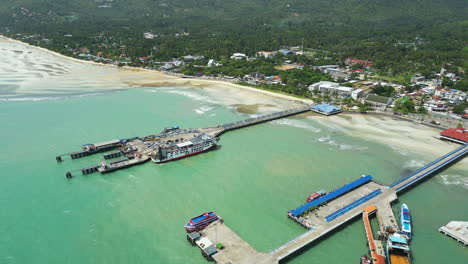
column 402, row 37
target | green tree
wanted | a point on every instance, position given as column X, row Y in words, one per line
column 459, row 109
column 404, row 105
column 422, row 110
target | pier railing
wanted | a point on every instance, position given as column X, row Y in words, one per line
column 404, row 178
column 436, row 168
column 265, row 118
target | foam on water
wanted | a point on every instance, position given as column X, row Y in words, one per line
column 455, row 179
column 340, row 145
column 191, row 95
column 296, row 123
column 414, row 164
column 51, row 98
column 203, row 109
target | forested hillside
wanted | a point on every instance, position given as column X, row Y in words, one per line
column 400, row 35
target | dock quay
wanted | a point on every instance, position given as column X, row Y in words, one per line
column 458, row 230
column 328, row 213
column 171, row 144
column 387, row 222
column 234, row 249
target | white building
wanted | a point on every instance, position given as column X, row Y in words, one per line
column 331, row 87
column 148, row 35
column 238, row 56
column 435, row 105
column 356, row 94
column 266, row 54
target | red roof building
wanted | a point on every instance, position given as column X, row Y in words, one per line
column 364, row 63
column 458, row 135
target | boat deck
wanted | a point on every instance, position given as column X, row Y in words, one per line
column 396, row 259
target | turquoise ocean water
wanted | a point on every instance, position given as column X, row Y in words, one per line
column 137, row 215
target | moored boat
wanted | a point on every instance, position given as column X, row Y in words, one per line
column 200, row 222
column 365, row 259
column 315, row 195
column 173, row 151
column 405, row 220
column 398, row 251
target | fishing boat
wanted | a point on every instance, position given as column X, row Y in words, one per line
column 315, row 195
column 365, row 259
column 398, row 251
column 200, row 222
column 405, row 220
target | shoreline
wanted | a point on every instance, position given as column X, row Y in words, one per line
column 384, row 130
column 168, row 80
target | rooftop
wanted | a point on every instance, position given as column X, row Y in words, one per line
column 456, row 133
column 326, row 108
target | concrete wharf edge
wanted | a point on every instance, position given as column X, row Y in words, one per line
column 452, row 230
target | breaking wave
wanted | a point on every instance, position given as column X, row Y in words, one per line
column 401, row 151
column 411, row 164
column 342, row 146
column 50, row 98
column 455, row 180
column 296, row 123
column 191, row 95
column 203, row 109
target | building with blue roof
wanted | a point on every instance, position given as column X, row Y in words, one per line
column 285, row 52
column 326, row 109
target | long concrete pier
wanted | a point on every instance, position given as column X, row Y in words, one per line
column 262, row 119
column 326, row 219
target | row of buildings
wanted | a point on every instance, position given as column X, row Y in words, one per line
column 335, row 89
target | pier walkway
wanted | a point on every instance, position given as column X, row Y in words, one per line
column 262, row 119
column 375, row 246
column 429, row 169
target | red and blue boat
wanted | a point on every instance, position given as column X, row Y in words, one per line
column 405, row 220
column 200, row 222
column 315, row 195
